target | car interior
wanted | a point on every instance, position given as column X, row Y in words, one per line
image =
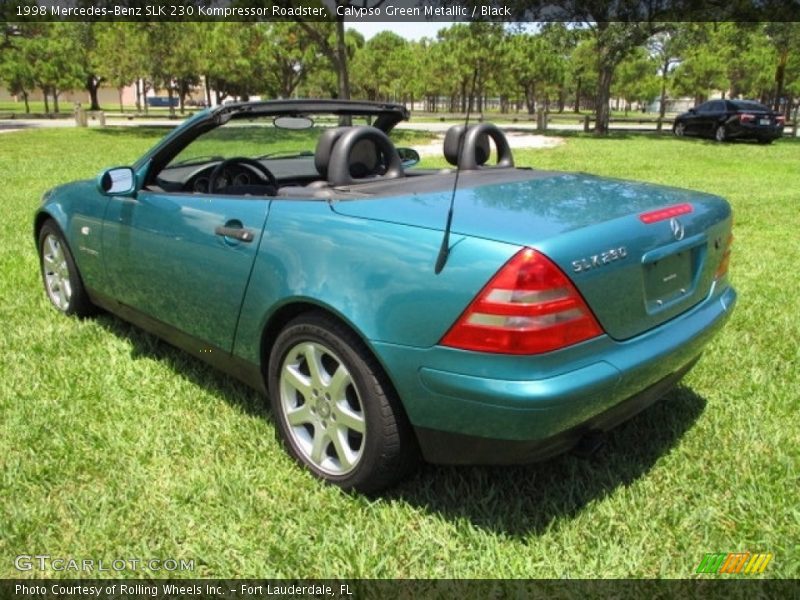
column 348, row 162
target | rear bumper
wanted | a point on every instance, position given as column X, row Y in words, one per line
column 760, row 132
column 469, row 407
column 457, row 449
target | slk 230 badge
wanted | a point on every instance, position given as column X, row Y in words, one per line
column 598, row 260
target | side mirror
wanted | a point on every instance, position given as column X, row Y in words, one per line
column 692, row 111
column 408, row 156
column 119, row 181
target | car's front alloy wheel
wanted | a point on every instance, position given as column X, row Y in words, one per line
column 720, row 134
column 334, row 409
column 680, row 129
column 62, row 282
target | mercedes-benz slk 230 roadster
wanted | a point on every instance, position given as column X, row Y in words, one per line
column 292, row 244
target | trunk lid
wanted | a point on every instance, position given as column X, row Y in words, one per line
column 633, row 275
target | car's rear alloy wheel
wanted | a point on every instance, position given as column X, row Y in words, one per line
column 679, row 129
column 60, row 276
column 333, row 407
column 721, row 135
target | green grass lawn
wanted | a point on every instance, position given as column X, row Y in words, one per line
column 113, row 444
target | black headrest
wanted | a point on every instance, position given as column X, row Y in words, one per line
column 325, row 143
column 346, row 164
column 475, row 147
column 453, row 138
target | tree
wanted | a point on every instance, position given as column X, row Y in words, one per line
column 785, row 38
column 432, row 71
column 331, row 38
column 171, row 52
column 614, row 43
column 665, row 47
column 288, row 56
column 85, row 39
column 225, row 61
column 52, row 55
column 380, row 67
column 535, row 67
column 582, row 73
column 324, row 82
column 701, row 69
column 17, row 72
column 470, row 52
column 635, row 79
column 119, row 55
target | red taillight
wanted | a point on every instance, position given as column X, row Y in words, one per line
column 722, row 269
column 780, row 120
column 665, row 213
column 746, row 117
column 528, row 307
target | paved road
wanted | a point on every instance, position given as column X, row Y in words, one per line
column 18, row 124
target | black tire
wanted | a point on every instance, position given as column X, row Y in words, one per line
column 764, row 141
column 721, row 134
column 60, row 277
column 376, row 446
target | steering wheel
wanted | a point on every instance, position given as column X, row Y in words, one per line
column 263, row 171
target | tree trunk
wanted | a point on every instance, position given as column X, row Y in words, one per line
column 121, row 107
column 208, row 90
column 92, row 85
column 662, row 103
column 577, row 107
column 183, row 89
column 169, row 101
column 55, row 100
column 780, row 78
column 530, row 97
column 46, row 104
column 603, row 97
column 27, row 106
column 145, row 87
column 341, row 59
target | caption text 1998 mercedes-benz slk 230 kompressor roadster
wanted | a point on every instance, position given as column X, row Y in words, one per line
column 292, row 244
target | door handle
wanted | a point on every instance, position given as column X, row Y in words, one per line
column 237, row 233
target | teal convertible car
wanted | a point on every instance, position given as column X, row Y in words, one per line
column 480, row 313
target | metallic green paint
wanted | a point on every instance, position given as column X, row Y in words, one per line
column 370, row 263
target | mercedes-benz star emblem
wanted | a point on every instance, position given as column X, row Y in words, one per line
column 677, row 229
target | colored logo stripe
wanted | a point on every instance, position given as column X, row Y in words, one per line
column 734, row 563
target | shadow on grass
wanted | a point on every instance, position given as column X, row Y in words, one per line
column 517, row 501
column 523, row 500
column 185, row 365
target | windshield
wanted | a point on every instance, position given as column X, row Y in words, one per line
column 257, row 138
